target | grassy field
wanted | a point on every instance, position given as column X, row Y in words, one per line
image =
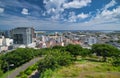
column 87, row 69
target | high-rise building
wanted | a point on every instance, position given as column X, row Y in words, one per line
column 22, row 35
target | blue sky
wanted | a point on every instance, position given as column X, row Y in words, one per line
column 60, row 14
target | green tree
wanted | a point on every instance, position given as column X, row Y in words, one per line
column 17, row 57
column 1, row 72
column 118, row 41
column 54, row 59
column 74, row 49
column 61, row 48
column 116, row 61
column 85, row 52
column 116, row 58
column 104, row 50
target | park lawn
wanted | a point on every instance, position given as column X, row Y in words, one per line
column 87, row 69
column 6, row 74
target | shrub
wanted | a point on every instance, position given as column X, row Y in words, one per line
column 74, row 50
column 54, row 59
column 28, row 72
column 116, row 61
column 24, row 76
column 18, row 57
column 104, row 50
column 47, row 74
column 1, row 72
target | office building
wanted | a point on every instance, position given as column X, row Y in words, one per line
column 22, row 35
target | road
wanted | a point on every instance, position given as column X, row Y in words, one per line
column 23, row 67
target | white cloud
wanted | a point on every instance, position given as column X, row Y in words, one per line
column 106, row 16
column 111, row 14
column 55, row 8
column 112, row 3
column 25, row 11
column 106, row 19
column 82, row 15
column 38, row 24
column 77, row 4
column 54, row 4
column 52, row 10
column 73, row 17
column 1, row 10
column 29, row 21
column 16, row 4
column 55, row 17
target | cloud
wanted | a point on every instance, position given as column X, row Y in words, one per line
column 60, row 5
column 1, row 10
column 55, row 9
column 25, row 11
column 77, row 4
column 106, row 14
column 17, row 5
column 82, row 15
column 30, row 21
column 53, row 5
column 74, row 18
column 39, row 24
column 111, row 14
column 57, row 14
column 106, row 19
column 112, row 3
column 56, row 17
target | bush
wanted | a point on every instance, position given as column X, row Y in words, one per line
column 47, row 74
column 74, row 49
column 1, row 72
column 54, row 59
column 104, row 50
column 24, row 76
column 28, row 72
column 116, row 61
column 61, row 48
column 18, row 57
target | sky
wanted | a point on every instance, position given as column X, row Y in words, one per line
column 60, row 14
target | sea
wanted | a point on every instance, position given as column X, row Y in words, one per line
column 61, row 31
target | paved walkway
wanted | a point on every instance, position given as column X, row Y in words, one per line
column 22, row 68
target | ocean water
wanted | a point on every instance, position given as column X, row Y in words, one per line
column 61, row 31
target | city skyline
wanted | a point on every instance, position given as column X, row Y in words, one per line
column 60, row 14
